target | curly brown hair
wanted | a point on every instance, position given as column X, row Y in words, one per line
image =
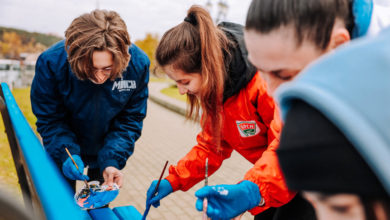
column 100, row 30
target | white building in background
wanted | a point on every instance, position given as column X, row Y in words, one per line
column 18, row 73
column 10, row 72
column 28, row 68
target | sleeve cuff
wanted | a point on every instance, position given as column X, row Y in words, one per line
column 108, row 163
column 63, row 157
column 173, row 181
column 258, row 209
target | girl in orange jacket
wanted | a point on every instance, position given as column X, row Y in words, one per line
column 209, row 64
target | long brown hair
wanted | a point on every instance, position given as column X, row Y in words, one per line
column 197, row 46
column 97, row 31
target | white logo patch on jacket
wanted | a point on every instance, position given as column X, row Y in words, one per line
column 124, row 85
column 247, row 128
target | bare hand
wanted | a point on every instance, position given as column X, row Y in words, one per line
column 238, row 217
column 112, row 175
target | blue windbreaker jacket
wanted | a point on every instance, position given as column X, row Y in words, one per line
column 99, row 122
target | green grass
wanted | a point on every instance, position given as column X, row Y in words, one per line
column 22, row 97
column 8, row 176
column 159, row 79
column 173, row 92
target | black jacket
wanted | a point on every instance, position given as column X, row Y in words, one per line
column 239, row 70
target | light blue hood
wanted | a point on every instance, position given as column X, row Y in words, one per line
column 351, row 87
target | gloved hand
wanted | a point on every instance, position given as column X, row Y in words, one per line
column 164, row 189
column 70, row 171
column 228, row 201
column 99, row 199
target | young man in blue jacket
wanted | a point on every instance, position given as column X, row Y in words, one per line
column 89, row 95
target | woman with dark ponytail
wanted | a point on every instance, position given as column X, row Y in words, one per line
column 210, row 65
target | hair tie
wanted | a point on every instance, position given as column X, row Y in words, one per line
column 191, row 19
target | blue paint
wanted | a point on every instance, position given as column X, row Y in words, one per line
column 146, row 212
column 100, row 199
column 103, row 214
column 55, row 195
column 127, row 213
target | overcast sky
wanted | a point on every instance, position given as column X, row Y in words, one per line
column 141, row 16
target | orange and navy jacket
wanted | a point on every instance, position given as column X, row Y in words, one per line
column 251, row 126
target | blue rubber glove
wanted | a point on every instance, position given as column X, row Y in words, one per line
column 228, row 201
column 99, row 199
column 70, row 171
column 164, row 189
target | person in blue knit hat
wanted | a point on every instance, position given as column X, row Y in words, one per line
column 335, row 145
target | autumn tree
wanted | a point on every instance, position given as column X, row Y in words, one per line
column 149, row 46
column 10, row 45
column 15, row 41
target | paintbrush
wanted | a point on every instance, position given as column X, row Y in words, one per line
column 77, row 167
column 154, row 192
column 206, row 182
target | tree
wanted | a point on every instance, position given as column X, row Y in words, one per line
column 149, row 46
column 11, row 45
column 15, row 41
